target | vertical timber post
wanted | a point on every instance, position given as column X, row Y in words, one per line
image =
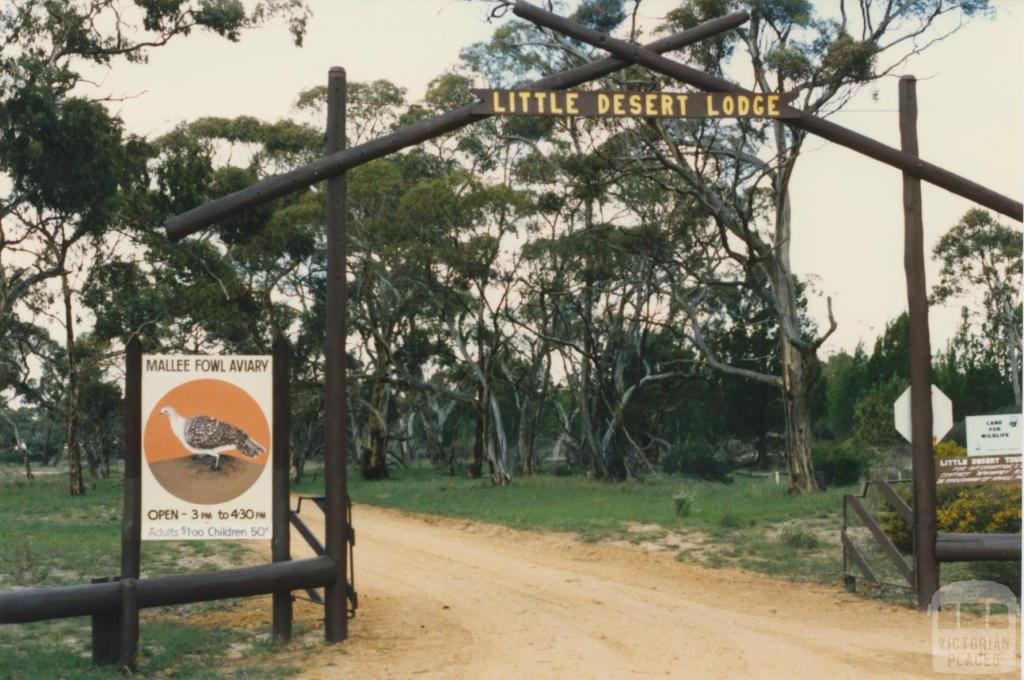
column 116, row 636
column 106, row 634
column 131, row 517
column 129, row 625
column 335, row 402
column 926, row 567
column 281, row 446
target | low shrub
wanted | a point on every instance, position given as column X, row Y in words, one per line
column 798, row 538
column 731, row 520
column 949, row 449
column 701, row 461
column 683, row 503
column 993, row 508
column 840, row 464
column 990, row 509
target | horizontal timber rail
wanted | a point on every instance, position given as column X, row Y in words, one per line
column 909, row 163
column 329, row 166
column 40, row 604
column 977, row 547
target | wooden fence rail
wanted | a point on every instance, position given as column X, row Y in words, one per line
column 40, row 604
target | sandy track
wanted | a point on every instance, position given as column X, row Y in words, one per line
column 446, row 598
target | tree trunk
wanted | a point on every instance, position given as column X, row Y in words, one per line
column 586, row 377
column 19, row 443
column 587, row 425
column 298, row 464
column 77, row 485
column 795, row 392
column 46, row 443
column 476, row 466
column 523, row 438
column 1013, row 344
column 498, row 462
column 408, row 453
column 92, row 460
column 374, row 464
column 28, row 467
column 430, row 437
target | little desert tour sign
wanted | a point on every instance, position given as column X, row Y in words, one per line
column 970, row 470
column 615, row 104
column 206, row 456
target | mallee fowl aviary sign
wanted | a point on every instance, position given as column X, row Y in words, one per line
column 206, row 447
column 620, row 104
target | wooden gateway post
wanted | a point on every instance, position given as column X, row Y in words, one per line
column 335, row 396
column 926, row 567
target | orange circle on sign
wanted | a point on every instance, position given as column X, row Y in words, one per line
column 194, row 478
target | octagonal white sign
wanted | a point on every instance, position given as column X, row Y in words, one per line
column 942, row 414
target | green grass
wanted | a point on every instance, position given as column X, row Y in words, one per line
column 51, row 539
column 742, row 524
column 544, row 502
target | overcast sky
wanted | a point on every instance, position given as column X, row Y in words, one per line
column 847, row 213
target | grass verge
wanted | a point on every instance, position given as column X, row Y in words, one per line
column 51, row 539
column 752, row 523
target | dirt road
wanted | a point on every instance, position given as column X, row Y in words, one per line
column 453, row 599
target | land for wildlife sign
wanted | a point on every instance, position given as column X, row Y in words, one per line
column 206, row 447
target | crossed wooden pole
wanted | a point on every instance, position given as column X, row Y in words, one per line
column 906, row 159
column 114, row 605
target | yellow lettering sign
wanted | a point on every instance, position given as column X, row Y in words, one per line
column 650, row 104
column 540, row 97
column 712, row 111
column 635, row 105
column 555, row 108
column 632, row 104
column 497, row 105
column 570, row 103
column 681, row 98
column 666, row 105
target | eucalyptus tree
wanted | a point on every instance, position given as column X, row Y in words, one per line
column 968, row 372
column 589, row 300
column 979, row 254
column 390, row 264
column 739, row 173
column 65, row 161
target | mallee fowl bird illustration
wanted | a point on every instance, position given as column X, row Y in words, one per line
column 206, row 436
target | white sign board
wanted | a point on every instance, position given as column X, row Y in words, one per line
column 993, row 435
column 206, row 458
column 942, row 414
